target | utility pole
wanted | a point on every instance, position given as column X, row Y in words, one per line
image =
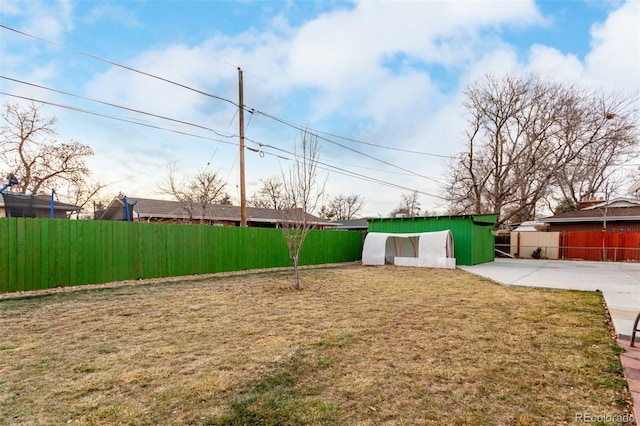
column 243, row 198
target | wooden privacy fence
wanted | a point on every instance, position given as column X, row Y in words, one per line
column 600, row 246
column 45, row 253
column 586, row 245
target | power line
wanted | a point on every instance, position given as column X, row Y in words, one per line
column 132, row 110
column 72, row 108
column 118, row 106
column 327, row 167
column 116, row 64
column 184, row 86
column 410, row 151
column 330, row 167
column 302, row 129
column 282, row 121
column 391, row 148
column 257, row 143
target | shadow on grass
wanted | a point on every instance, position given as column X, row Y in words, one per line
column 287, row 397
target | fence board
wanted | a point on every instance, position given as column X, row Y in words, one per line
column 601, row 246
column 44, row 253
column 12, row 254
column 43, row 266
column 4, row 251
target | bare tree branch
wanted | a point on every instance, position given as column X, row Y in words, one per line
column 271, row 195
column 532, row 141
column 343, row 207
column 38, row 161
column 197, row 193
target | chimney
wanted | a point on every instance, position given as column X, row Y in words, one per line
column 588, row 202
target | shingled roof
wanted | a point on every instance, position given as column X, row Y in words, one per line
column 149, row 209
column 596, row 215
column 32, row 205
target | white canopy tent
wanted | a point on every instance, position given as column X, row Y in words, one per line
column 424, row 249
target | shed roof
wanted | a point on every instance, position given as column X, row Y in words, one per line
column 488, row 218
column 352, row 224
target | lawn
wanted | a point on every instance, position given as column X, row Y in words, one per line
column 358, row 345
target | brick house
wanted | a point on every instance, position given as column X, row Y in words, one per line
column 616, row 215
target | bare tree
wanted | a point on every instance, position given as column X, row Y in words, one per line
column 29, row 148
column 82, row 193
column 271, row 195
column 198, row 192
column 305, row 193
column 530, row 140
column 605, row 129
column 409, row 205
column 343, row 207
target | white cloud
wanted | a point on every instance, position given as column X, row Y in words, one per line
column 49, row 20
column 501, row 60
column 10, row 7
column 614, row 60
column 114, row 13
column 550, row 62
column 177, row 63
column 344, row 46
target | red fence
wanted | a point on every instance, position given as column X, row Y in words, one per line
column 600, row 246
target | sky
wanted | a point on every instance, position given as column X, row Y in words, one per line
column 379, row 82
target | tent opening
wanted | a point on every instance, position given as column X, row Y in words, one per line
column 425, row 249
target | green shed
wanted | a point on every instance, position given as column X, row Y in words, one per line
column 472, row 234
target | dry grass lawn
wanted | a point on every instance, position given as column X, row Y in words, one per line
column 358, row 346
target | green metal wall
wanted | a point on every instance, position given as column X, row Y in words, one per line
column 45, row 253
column 472, row 234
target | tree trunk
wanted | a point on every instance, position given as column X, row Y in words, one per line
column 296, row 277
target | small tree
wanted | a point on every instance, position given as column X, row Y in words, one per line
column 304, row 192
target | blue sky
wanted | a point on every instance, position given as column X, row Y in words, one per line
column 378, row 78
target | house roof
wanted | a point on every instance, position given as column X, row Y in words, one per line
column 165, row 209
column 529, row 226
column 615, row 203
column 596, row 214
column 39, row 201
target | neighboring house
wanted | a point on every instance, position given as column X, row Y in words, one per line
column 150, row 210
column 36, row 206
column 619, row 214
column 600, row 230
